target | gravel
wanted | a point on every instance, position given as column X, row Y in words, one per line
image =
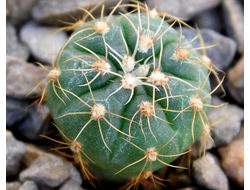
column 29, row 39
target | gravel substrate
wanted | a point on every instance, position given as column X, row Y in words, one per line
column 29, row 163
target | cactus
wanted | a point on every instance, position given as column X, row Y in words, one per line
column 128, row 94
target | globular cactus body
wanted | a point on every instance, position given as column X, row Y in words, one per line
column 129, row 117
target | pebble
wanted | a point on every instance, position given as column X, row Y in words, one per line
column 15, row 149
column 34, row 123
column 40, row 41
column 28, row 185
column 50, row 11
column 233, row 18
column 72, row 185
column 74, row 175
column 49, row 170
column 19, row 80
column 184, row 9
column 235, row 81
column 209, row 19
column 15, row 110
column 14, row 47
column 29, row 121
column 32, row 153
column 198, row 146
column 232, row 159
column 13, row 185
column 225, row 131
column 19, row 11
column 208, row 174
column 222, row 54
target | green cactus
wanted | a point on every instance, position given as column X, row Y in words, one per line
column 128, row 94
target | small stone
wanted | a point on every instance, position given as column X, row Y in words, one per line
column 72, row 185
column 13, row 185
column 50, row 11
column 19, row 79
column 209, row 19
column 34, row 123
column 222, row 54
column 226, row 130
column 208, row 174
column 235, row 73
column 184, row 9
column 30, row 121
column 235, row 81
column 16, row 110
column 15, row 149
column 232, row 159
column 19, row 11
column 233, row 17
column 198, row 146
column 40, row 41
column 47, row 169
column 14, row 47
column 75, row 175
column 32, row 153
column 28, row 185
